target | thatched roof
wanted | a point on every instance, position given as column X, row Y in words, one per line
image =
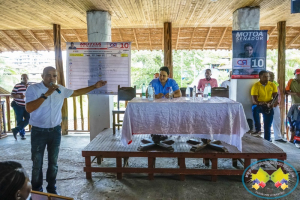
column 3, row 91
column 197, row 24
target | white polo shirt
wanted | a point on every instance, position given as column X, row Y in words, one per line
column 48, row 115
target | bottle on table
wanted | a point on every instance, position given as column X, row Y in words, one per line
column 194, row 93
column 209, row 90
column 153, row 90
column 150, row 93
column 205, row 93
column 170, row 93
column 187, row 93
column 143, row 91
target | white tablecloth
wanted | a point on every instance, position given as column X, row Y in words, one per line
column 218, row 118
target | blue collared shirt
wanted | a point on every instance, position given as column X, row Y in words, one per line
column 164, row 89
column 48, row 115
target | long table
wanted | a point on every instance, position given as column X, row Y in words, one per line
column 216, row 119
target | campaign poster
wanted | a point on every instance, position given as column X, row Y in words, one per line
column 249, row 51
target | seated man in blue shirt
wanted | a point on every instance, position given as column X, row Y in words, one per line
column 163, row 83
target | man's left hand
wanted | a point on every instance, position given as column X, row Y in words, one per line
column 100, row 84
column 270, row 105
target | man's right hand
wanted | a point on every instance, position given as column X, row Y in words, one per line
column 159, row 96
column 51, row 89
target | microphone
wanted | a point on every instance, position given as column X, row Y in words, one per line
column 57, row 90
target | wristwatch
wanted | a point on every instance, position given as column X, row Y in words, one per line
column 43, row 96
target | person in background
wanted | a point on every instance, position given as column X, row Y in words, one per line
column 276, row 117
column 294, row 121
column 18, row 104
column 163, row 83
column 262, row 94
column 14, row 181
column 226, row 84
column 213, row 82
column 156, row 75
column 44, row 102
column 293, row 88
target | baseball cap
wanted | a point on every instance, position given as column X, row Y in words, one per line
column 297, row 71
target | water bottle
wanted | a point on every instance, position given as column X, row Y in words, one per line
column 153, row 90
column 143, row 91
column 194, row 93
column 187, row 94
column 205, row 93
column 150, row 93
column 170, row 93
column 209, row 90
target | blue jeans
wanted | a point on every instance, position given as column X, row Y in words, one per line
column 40, row 138
column 22, row 117
column 268, row 119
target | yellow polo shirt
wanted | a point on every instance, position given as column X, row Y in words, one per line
column 264, row 93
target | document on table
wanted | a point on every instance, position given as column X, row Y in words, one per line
column 89, row 62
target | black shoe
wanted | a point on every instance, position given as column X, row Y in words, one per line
column 15, row 132
column 281, row 140
column 23, row 137
column 53, row 192
column 256, row 134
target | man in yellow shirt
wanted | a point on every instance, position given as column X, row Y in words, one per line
column 262, row 94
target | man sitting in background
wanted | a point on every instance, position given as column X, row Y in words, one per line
column 262, row 94
column 163, row 83
column 226, row 84
column 294, row 121
column 276, row 117
column 213, row 82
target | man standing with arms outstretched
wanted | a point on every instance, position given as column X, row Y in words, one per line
column 44, row 101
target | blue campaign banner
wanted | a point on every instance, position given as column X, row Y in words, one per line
column 249, row 51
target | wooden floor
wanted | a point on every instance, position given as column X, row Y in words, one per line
column 107, row 145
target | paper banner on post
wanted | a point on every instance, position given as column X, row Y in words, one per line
column 89, row 62
column 249, row 53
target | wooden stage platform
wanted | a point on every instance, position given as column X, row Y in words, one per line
column 106, row 145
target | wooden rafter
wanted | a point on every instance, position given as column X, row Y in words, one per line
column 192, row 38
column 12, row 40
column 150, row 39
column 76, row 34
column 207, row 35
column 63, row 36
column 5, row 46
column 120, row 35
column 293, row 40
column 25, row 40
column 272, row 31
column 162, row 39
column 177, row 39
column 137, row 45
column 38, row 40
column 49, row 36
column 220, row 41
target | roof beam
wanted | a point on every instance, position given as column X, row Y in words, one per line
column 120, row 35
column 137, row 45
column 220, row 41
column 150, row 39
column 177, row 39
column 38, row 40
column 76, row 34
column 25, row 40
column 192, row 38
column 272, row 31
column 49, row 36
column 5, row 46
column 206, row 38
column 162, row 39
column 293, row 40
column 62, row 36
column 12, row 40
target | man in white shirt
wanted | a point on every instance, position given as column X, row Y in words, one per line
column 44, row 101
column 226, row 83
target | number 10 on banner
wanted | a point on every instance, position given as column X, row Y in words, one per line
column 257, row 62
column 124, row 45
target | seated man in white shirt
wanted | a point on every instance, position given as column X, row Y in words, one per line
column 44, row 101
column 226, row 83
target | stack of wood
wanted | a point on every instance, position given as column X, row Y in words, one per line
column 198, row 146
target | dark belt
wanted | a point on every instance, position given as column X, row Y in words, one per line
column 45, row 129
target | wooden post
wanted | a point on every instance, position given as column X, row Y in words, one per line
column 8, row 113
column 168, row 61
column 60, row 75
column 81, row 113
column 75, row 113
column 89, row 128
column 281, row 27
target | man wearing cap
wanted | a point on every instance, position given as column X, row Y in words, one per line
column 293, row 89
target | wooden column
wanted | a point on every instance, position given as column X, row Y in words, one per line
column 168, row 61
column 281, row 27
column 60, row 75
